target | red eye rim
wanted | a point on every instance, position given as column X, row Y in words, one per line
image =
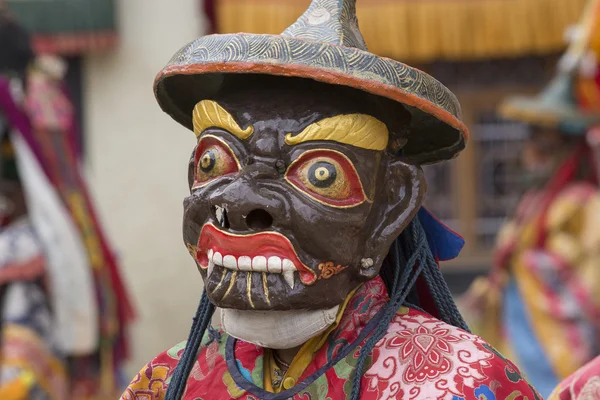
column 357, row 193
column 208, row 141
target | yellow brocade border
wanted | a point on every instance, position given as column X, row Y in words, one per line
column 545, row 326
column 424, row 30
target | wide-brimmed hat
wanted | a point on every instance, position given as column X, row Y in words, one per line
column 325, row 45
column 555, row 108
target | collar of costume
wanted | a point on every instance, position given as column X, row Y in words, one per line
column 361, row 315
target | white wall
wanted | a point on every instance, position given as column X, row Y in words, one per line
column 137, row 165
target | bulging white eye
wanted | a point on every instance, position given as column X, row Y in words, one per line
column 328, row 176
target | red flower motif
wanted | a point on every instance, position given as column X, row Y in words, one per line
column 426, row 352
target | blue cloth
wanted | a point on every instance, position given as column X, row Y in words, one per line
column 445, row 244
column 529, row 355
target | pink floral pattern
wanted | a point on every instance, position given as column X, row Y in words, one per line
column 582, row 385
column 424, row 356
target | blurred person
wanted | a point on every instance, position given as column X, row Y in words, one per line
column 63, row 308
column 540, row 305
column 584, row 384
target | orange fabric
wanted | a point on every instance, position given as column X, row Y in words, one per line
column 588, row 86
column 18, row 388
column 425, row 30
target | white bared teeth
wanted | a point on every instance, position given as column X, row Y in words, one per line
column 218, row 259
column 211, row 267
column 259, row 264
column 274, row 265
column 244, row 263
column 230, row 262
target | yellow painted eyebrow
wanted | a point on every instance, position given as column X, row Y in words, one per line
column 358, row 130
column 209, row 114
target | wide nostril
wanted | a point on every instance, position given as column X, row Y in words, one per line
column 259, row 219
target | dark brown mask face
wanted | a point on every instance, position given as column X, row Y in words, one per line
column 295, row 199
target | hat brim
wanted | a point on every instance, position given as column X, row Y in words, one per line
column 535, row 112
column 201, row 68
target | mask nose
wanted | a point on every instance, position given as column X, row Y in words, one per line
column 251, row 202
column 259, row 219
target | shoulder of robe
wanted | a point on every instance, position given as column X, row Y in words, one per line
column 423, row 357
column 583, row 384
column 152, row 381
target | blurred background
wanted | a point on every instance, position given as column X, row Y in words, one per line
column 136, row 157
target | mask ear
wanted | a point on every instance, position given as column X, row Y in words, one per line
column 398, row 200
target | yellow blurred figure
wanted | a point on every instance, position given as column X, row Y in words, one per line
column 540, row 305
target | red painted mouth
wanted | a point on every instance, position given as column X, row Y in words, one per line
column 264, row 244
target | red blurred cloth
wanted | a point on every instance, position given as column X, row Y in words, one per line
column 209, row 8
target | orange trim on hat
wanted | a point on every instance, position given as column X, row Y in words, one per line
column 321, row 75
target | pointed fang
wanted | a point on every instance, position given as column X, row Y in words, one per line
column 211, row 266
column 289, row 277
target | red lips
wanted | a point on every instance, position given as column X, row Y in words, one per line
column 265, row 244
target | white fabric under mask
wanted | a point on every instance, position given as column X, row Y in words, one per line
column 277, row 329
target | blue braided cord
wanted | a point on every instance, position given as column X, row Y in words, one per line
column 202, row 319
column 408, row 304
column 438, row 296
column 195, row 340
column 443, row 297
column 200, row 323
column 400, row 290
column 177, row 384
column 213, row 334
column 394, row 254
